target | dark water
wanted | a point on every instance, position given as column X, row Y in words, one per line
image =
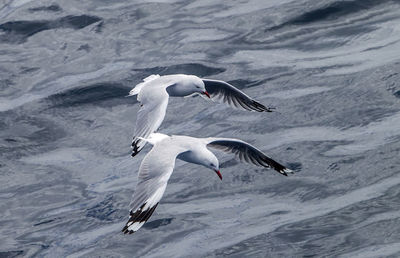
column 331, row 68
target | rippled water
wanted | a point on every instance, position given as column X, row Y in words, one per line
column 331, row 68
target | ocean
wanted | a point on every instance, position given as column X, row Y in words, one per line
column 330, row 68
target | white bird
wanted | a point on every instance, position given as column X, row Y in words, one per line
column 157, row 166
column 154, row 92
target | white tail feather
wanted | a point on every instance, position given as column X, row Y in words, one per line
column 289, row 171
column 151, row 77
column 139, row 87
column 154, row 138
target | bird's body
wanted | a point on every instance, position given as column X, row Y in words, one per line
column 154, row 92
column 168, row 83
column 158, row 165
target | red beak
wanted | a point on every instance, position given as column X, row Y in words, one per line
column 207, row 94
column 218, row 173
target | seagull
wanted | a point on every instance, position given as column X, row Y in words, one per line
column 158, row 165
column 153, row 94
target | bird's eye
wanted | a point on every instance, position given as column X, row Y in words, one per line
column 211, row 165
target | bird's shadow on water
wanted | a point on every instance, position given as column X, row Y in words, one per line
column 104, row 94
column 295, row 166
column 188, row 68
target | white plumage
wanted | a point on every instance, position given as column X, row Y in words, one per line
column 154, row 92
column 158, row 165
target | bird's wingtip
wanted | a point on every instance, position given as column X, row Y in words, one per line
column 135, row 147
column 127, row 231
column 257, row 106
column 287, row 171
column 138, row 218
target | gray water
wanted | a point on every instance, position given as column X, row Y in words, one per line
column 331, row 69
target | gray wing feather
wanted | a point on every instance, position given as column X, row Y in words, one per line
column 154, row 173
column 246, row 152
column 224, row 92
column 149, row 119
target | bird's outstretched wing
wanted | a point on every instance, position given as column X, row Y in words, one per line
column 246, row 152
column 154, row 172
column 224, row 92
column 149, row 118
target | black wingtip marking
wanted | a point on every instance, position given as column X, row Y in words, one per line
column 271, row 109
column 261, row 108
column 281, row 169
column 285, row 171
column 135, row 147
column 138, row 216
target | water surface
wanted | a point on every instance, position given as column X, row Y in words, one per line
column 331, row 68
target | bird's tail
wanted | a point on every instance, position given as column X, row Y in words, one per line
column 136, row 90
column 286, row 171
column 139, row 142
column 154, row 138
column 139, row 87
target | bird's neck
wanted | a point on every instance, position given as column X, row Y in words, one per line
column 175, row 90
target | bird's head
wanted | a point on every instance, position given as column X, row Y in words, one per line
column 212, row 163
column 201, row 156
column 192, row 84
column 200, row 87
